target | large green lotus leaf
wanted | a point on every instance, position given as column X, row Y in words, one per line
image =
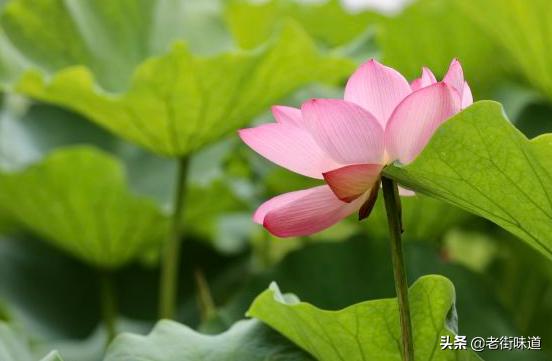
column 367, row 330
column 170, row 341
column 523, row 29
column 440, row 35
column 91, row 58
column 480, row 162
column 179, row 102
column 252, row 23
column 77, row 199
column 108, row 37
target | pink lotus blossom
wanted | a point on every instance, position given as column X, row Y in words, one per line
column 382, row 119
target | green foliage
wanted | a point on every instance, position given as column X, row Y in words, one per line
column 179, row 102
column 479, row 162
column 52, row 356
column 109, row 38
column 523, row 30
column 77, row 199
column 440, row 35
column 366, row 330
column 166, row 75
column 252, row 23
column 170, row 341
column 13, row 344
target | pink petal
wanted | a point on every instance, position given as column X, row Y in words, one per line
column 305, row 212
column 289, row 147
column 345, row 131
column 403, row 192
column 426, row 79
column 455, row 76
column 275, row 203
column 287, row 115
column 416, row 119
column 377, row 88
column 350, row 182
column 467, row 98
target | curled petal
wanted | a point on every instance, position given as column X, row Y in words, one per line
column 287, row 115
column 416, row 119
column 305, row 212
column 426, row 79
column 290, row 147
column 377, row 88
column 344, row 130
column 350, row 182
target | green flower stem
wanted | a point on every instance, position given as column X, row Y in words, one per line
column 108, row 304
column 394, row 219
column 170, row 261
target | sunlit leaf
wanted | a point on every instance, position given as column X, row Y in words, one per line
column 479, row 162
column 77, row 199
column 523, row 29
column 252, row 23
column 171, row 341
column 109, row 37
column 440, row 35
column 96, row 59
column 367, row 330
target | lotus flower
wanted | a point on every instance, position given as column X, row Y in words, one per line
column 382, row 119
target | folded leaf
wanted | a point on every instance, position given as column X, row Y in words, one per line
column 77, row 199
column 170, row 341
column 368, row 330
column 480, row 162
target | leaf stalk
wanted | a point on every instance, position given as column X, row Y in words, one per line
column 108, row 305
column 394, row 220
column 170, row 260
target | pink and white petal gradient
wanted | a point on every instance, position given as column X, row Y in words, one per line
column 305, row 212
column 345, row 131
column 287, row 115
column 467, row 98
column 416, row 119
column 426, row 79
column 377, row 88
column 382, row 119
column 455, row 76
column 289, row 147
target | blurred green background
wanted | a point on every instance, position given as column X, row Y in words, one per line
column 83, row 193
